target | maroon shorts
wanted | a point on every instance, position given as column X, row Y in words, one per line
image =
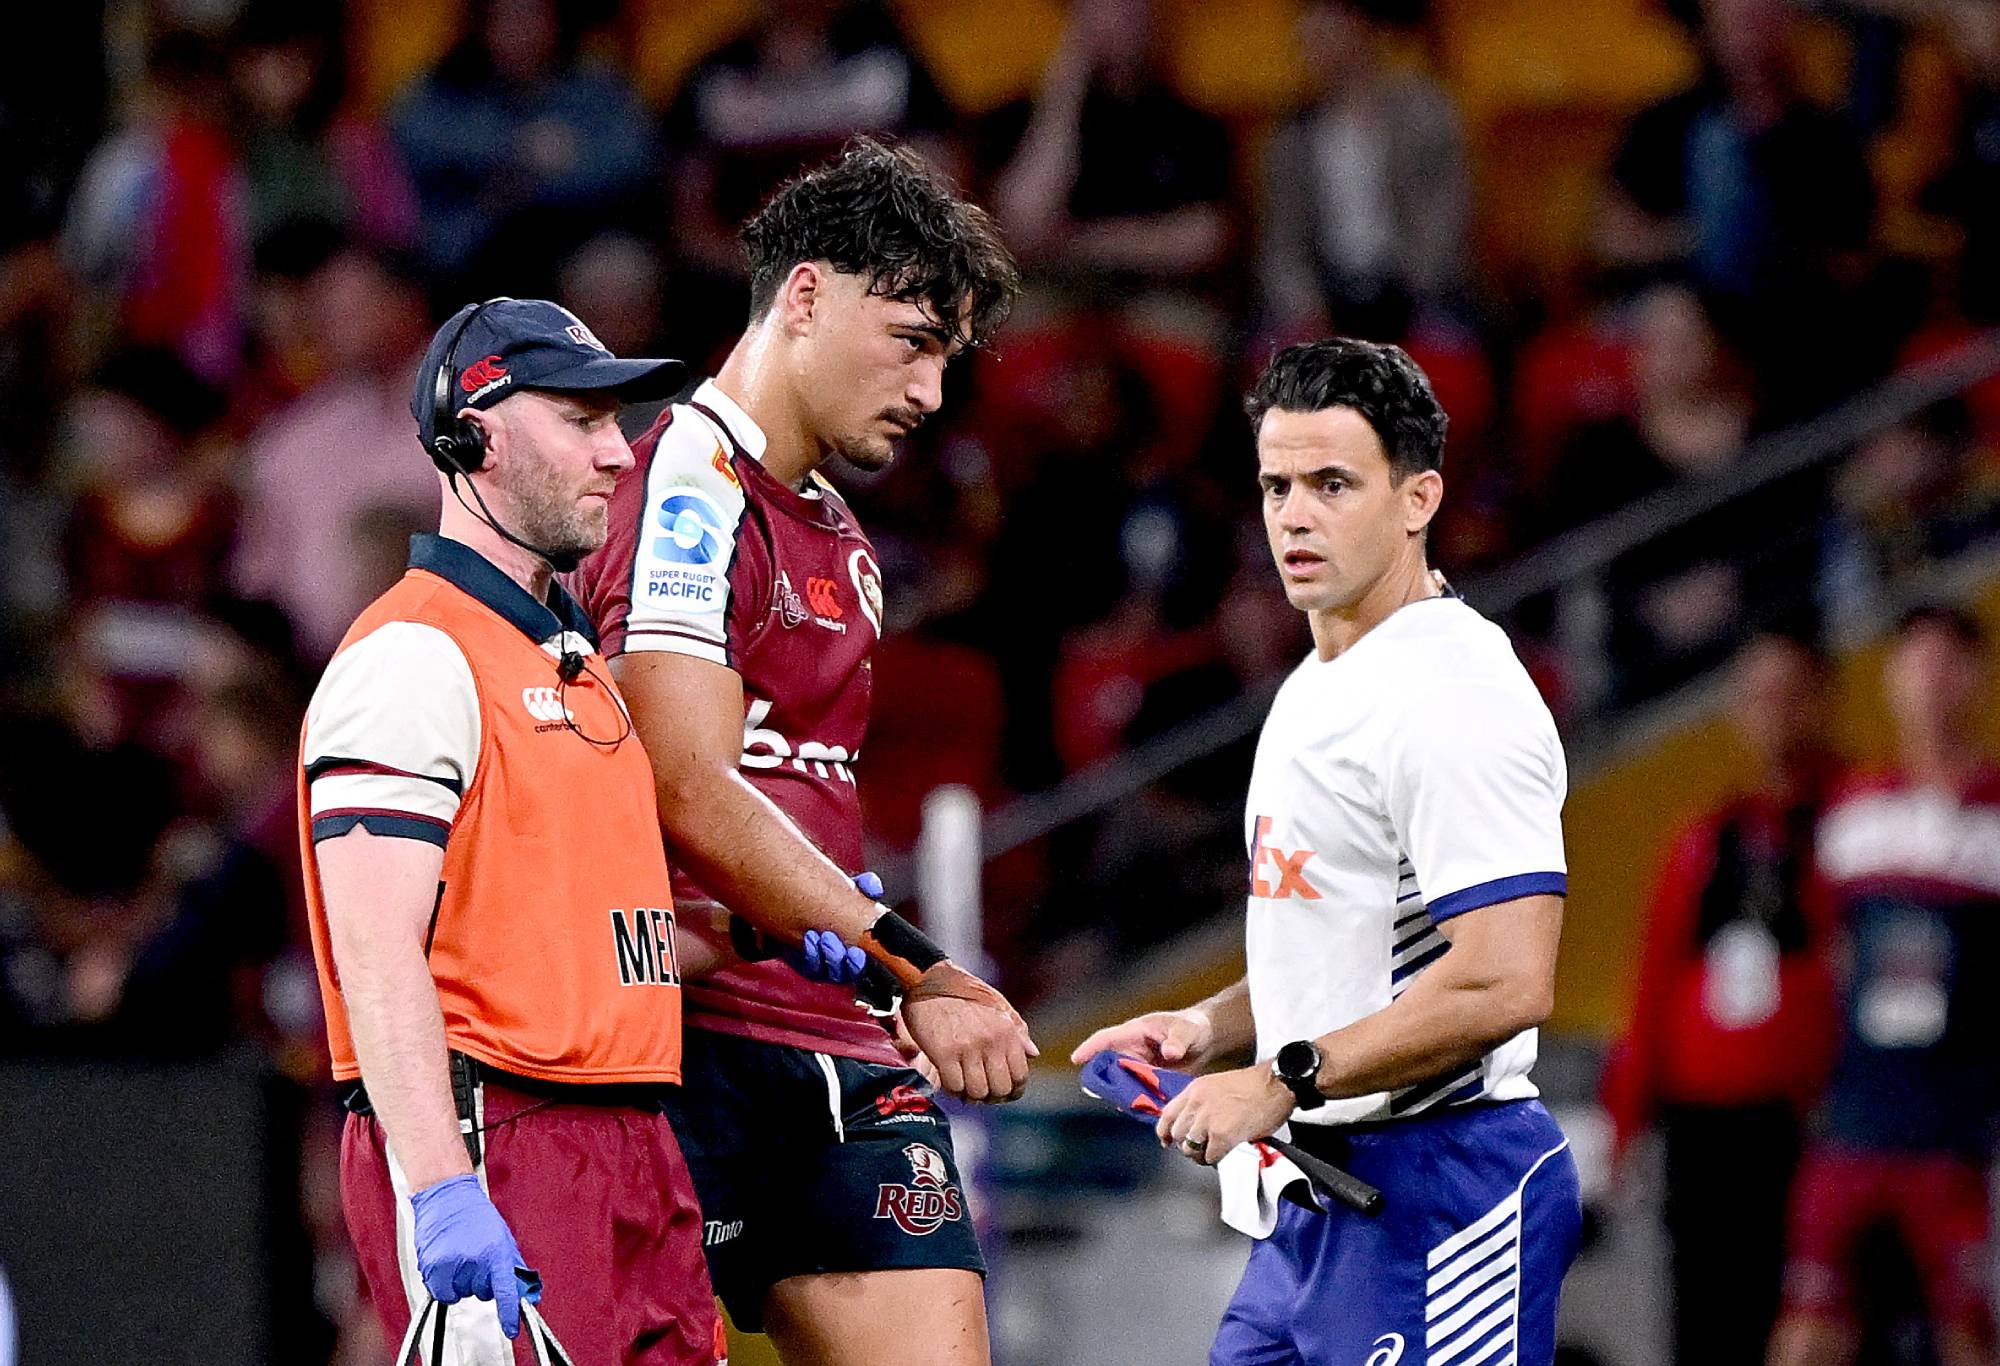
column 1934, row 1202
column 600, row 1201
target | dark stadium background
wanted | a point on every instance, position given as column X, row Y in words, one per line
column 1697, row 388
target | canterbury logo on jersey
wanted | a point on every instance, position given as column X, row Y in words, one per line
column 644, row 945
column 1287, row 866
column 824, row 598
column 545, row 704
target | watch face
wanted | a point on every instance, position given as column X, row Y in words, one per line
column 1298, row 1060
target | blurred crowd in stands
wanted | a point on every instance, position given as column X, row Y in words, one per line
column 1623, row 243
column 1804, row 1037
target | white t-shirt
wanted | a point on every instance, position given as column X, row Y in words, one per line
column 1412, row 778
column 392, row 734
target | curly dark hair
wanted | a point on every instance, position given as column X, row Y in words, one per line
column 878, row 210
column 1376, row 380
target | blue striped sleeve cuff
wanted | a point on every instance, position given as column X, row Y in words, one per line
column 1498, row 890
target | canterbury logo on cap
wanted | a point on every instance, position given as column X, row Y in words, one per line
column 481, row 373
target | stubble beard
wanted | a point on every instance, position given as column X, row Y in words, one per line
column 865, row 453
column 555, row 523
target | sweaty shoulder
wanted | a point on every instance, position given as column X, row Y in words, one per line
column 672, row 565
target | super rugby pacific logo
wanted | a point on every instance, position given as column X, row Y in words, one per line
column 928, row 1202
column 694, row 527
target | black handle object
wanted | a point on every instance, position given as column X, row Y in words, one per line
column 548, row 1351
column 1139, row 1090
column 1344, row 1186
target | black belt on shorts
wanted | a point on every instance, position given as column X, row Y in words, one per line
column 1329, row 1142
column 646, row 1095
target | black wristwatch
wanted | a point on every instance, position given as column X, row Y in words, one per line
column 1297, row 1069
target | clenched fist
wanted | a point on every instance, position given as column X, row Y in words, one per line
column 976, row 1041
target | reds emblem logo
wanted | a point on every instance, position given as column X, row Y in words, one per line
column 785, row 602
column 867, row 586
column 929, row 1202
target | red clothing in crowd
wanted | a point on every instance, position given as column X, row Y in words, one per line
column 1724, row 1018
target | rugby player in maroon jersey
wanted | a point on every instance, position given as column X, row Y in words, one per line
column 739, row 602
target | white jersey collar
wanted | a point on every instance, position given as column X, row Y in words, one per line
column 747, row 433
column 1404, row 618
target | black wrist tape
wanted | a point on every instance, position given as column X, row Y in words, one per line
column 901, row 940
column 877, row 991
column 752, row 945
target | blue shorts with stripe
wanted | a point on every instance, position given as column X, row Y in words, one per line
column 1480, row 1221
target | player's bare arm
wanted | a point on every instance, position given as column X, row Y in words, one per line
column 689, row 715
column 379, row 893
column 1497, row 979
column 1188, row 1039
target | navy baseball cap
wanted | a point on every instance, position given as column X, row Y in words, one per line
column 515, row 344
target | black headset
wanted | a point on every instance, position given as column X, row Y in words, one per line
column 456, row 445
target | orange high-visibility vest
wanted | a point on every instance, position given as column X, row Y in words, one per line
column 552, row 943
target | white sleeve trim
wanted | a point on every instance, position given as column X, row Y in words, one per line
column 394, row 727
column 643, row 640
column 685, row 549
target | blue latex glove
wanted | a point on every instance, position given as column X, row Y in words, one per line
column 825, row 956
column 465, row 1248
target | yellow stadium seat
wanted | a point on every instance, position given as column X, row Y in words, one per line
column 1614, row 54
column 394, row 43
column 983, row 53
column 670, row 36
column 1917, row 148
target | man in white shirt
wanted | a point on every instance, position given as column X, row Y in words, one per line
column 1406, row 890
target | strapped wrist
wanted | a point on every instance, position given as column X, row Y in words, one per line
column 901, row 947
column 878, row 992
